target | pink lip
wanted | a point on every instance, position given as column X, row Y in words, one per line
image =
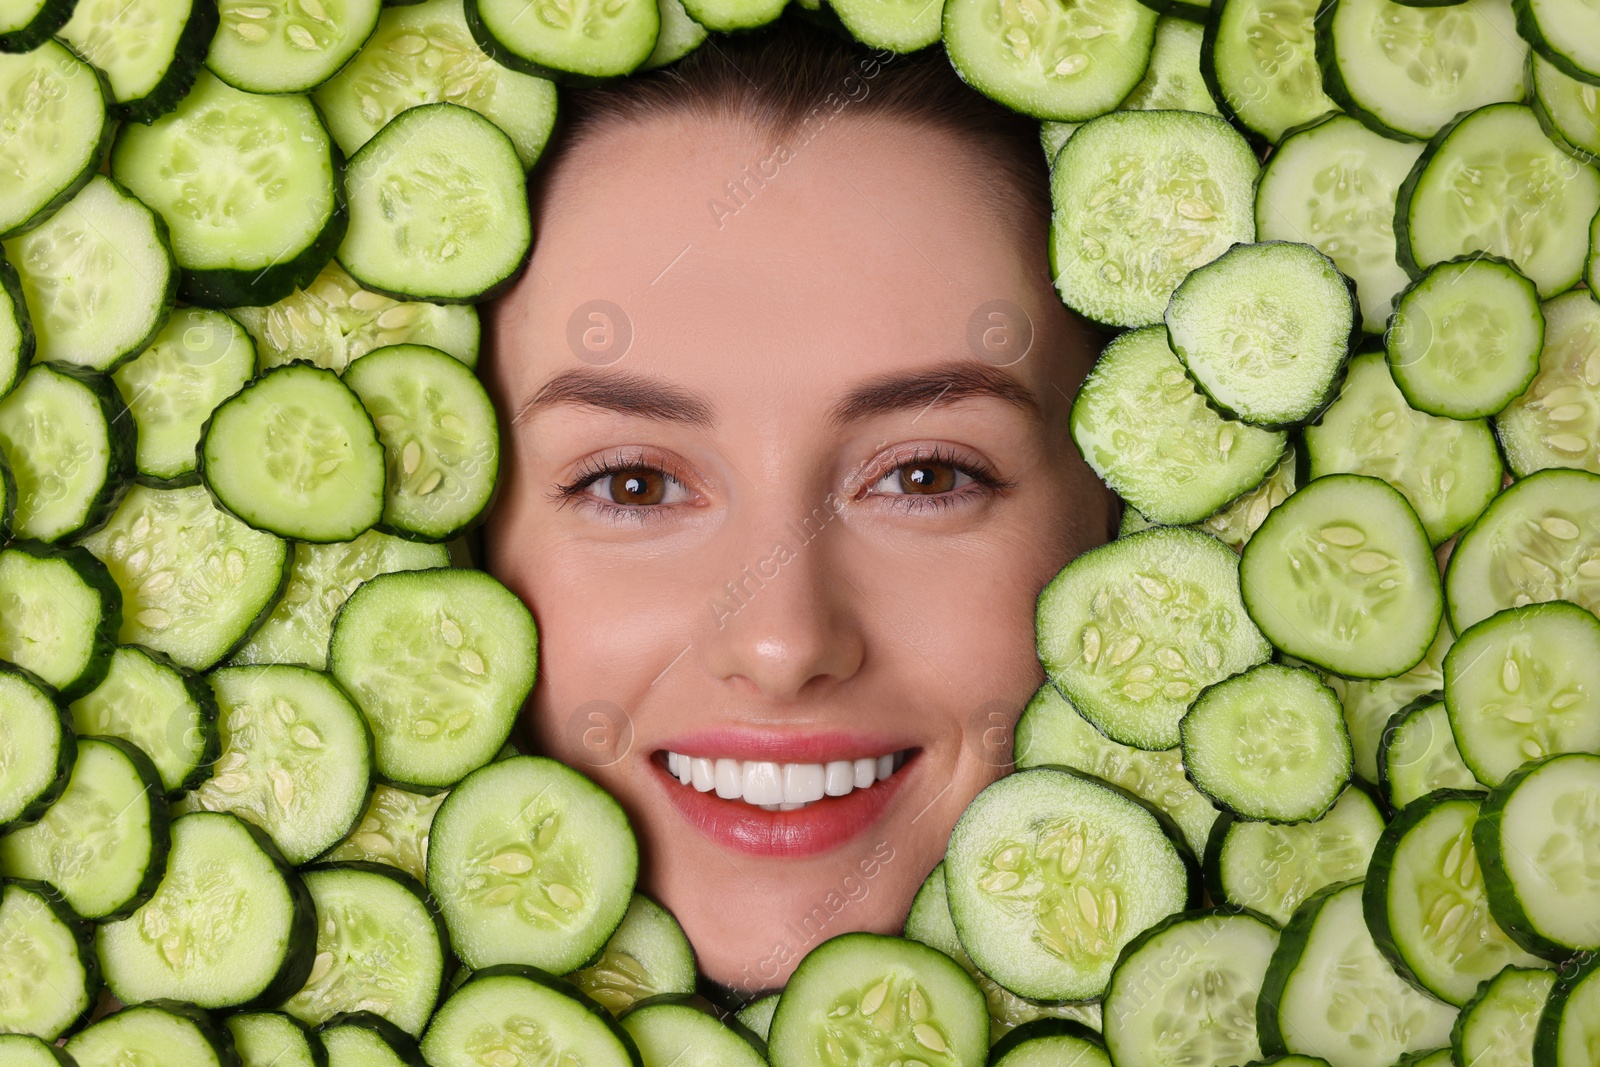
column 818, row 827
column 820, row 746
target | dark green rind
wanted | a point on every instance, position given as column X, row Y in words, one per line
column 160, row 832
column 27, row 343
column 96, row 160
column 1180, row 9
column 1392, row 727
column 66, row 753
column 1042, row 1028
column 401, row 1043
column 1547, row 123
column 93, row 574
column 189, row 55
column 1295, row 1058
column 1291, row 946
column 82, row 935
column 53, row 15
column 1585, row 968
column 566, row 989
column 1421, row 1056
column 705, row 1006
column 1528, row 29
column 121, row 445
column 1485, row 987
column 1375, row 893
column 1504, row 907
column 1333, row 84
column 495, row 50
column 319, row 1054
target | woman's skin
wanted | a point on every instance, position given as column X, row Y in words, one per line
column 781, row 570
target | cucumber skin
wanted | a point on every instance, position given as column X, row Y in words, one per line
column 1528, row 30
column 403, row 1044
column 1504, row 907
column 1183, row 10
column 53, row 14
column 83, row 936
column 1384, row 791
column 27, row 344
column 189, row 55
column 1044, row 1028
column 1291, row 946
column 97, row 158
column 92, row 573
column 66, row 756
column 121, row 443
column 566, row 989
column 160, row 829
column 1545, row 1048
column 1375, row 892
column 1333, row 84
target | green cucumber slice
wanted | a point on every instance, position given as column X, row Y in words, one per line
column 27, row 24
column 1555, row 422
column 1173, row 81
column 1567, row 1029
column 594, row 41
column 1564, row 33
column 685, row 1032
column 273, row 1039
column 362, row 1039
column 728, row 16
column 1045, row 1042
column 394, row 830
column 17, row 341
column 1238, row 520
column 1260, row 61
column 1418, row 754
column 1567, row 109
column 283, row 48
column 756, row 1016
column 518, row 1013
column 1370, row 704
column 1496, row 1027
column 37, row 748
column 647, row 956
column 895, row 26
column 52, row 978
column 56, row 132
column 680, row 35
column 149, row 50
column 173, row 1034
column 25, row 1050
column 59, row 613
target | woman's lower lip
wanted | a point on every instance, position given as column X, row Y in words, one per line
column 818, row 827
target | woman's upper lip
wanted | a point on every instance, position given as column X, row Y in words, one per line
column 785, row 745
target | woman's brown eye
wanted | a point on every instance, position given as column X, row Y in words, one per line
column 636, row 486
column 927, row 478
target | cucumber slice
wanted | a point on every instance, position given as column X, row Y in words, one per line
column 1173, row 81
column 1538, row 541
column 518, row 1013
column 1567, row 109
column 1260, row 61
column 1425, row 901
column 1142, row 426
column 56, row 132
column 249, row 187
column 197, row 360
column 1039, row 875
column 1447, row 470
column 1370, row 704
column 423, row 54
column 1271, row 867
column 59, row 613
column 440, row 437
column 680, row 35
column 272, row 1039
column 1341, row 576
column 27, row 24
column 866, row 998
column 1333, row 185
column 25, row 1050
column 1046, row 1042
column 103, row 844
column 1237, row 521
column 531, row 862
column 596, row 43
column 1051, row 731
column 1132, row 631
column 380, row 947
column 440, row 662
column 728, row 16
column 283, row 48
column 175, row 1035
column 887, row 25
column 1397, row 68
column 1534, row 837
column 149, row 50
column 1555, row 422
column 195, row 580
column 98, row 277
column 677, row 1030
column 1053, row 137
column 296, row 757
column 362, row 1039
column 1330, row 993
column 1185, row 990
column 756, row 1016
column 1268, row 744
column 1524, row 684
column 69, row 445
column 1418, row 754
column 17, row 342
column 394, row 830
column 1264, row 329
column 168, row 712
column 39, row 748
column 1140, row 199
column 438, row 208
column 1491, row 182
column 231, row 925
column 1565, row 33
column 51, row 978
column 648, row 956
column 1567, row 1029
column 1496, row 1027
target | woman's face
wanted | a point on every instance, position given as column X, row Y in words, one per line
column 784, row 475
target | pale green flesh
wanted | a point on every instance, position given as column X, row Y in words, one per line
column 1571, row 30
column 95, row 276
column 48, row 617
column 1061, row 61
column 423, row 54
column 648, row 955
column 54, row 117
column 125, row 1038
column 1409, row 65
column 1571, row 106
column 393, row 830
column 1173, row 80
column 1369, row 704
column 1550, row 844
column 294, row 757
column 1345, row 1002
column 684, row 1036
column 193, row 578
column 1140, row 199
column 1580, row 1031
column 1237, row 521
column 30, row 744
column 680, row 34
column 1539, row 541
column 214, row 933
column 757, row 1015
column 1334, row 187
column 146, row 704
column 54, row 435
column 132, row 41
column 730, row 15
column 1272, row 867
column 594, row 37
column 13, row 313
column 1497, row 1029
column 1448, row 471
column 1422, row 756
column 17, row 15
column 1052, row 731
column 1188, row 994
column 199, row 359
column 187, row 166
column 25, row 1050
column 1497, row 184
column 94, row 844
column 1524, row 685
column 267, row 1039
column 1055, row 1051
column 288, row 46
column 1266, row 64
column 377, row 951
column 44, row 987
column 1180, row 467
column 898, row 25
column 1438, row 908
column 1556, row 421
column 357, row 1046
column 520, row 1020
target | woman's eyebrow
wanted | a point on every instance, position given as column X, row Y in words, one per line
column 625, row 392
column 944, row 383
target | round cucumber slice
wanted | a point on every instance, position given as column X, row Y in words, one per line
column 17, row 341
column 1045, row 1042
column 148, row 50
column 1564, row 33
column 680, row 35
column 288, row 47
column 362, row 1039
column 59, row 613
column 25, row 1050
column 1173, row 82
column 1371, row 704
column 1568, row 1029
column 1418, row 754
column 185, row 1036
column 603, row 43
column 37, row 748
column 1497, row 1026
column 272, row 1039
column 1260, row 61
column 757, row 1015
column 165, row 710
column 515, row 1014
column 52, row 978
column 648, row 956
column 1555, row 422
column 683, row 1031
column 27, row 24
column 1568, row 109
column 394, row 830
column 56, row 132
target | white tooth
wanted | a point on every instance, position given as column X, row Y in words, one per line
column 866, row 772
column 685, row 769
column 763, row 782
column 702, row 773
column 802, row 782
column 770, row 807
column 839, row 778
column 672, row 764
column 885, row 766
column 786, row 806
column 730, row 778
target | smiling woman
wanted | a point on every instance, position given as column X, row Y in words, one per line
column 787, row 389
